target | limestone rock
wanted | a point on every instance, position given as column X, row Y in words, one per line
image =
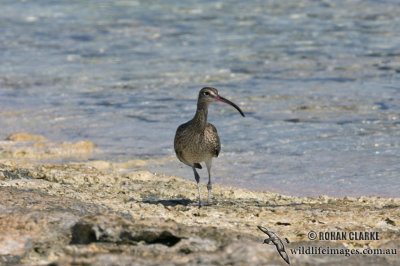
column 21, row 136
column 77, row 213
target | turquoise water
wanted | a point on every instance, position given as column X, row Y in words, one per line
column 318, row 81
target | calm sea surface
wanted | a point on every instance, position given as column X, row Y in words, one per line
column 319, row 82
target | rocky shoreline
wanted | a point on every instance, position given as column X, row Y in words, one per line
column 102, row 213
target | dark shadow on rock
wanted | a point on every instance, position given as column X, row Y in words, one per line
column 113, row 229
column 164, row 237
column 83, row 234
column 257, row 203
column 171, row 202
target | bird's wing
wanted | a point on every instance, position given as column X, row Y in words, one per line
column 281, row 249
column 180, row 145
column 265, row 230
column 284, row 256
column 181, row 158
column 212, row 134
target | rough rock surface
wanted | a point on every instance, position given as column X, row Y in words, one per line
column 96, row 214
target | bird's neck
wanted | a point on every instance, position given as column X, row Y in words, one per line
column 200, row 118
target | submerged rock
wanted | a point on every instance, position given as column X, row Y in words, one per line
column 21, row 136
column 38, row 148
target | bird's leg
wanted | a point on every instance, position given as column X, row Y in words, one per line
column 209, row 186
column 197, row 177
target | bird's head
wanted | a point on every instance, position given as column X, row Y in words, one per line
column 267, row 241
column 209, row 95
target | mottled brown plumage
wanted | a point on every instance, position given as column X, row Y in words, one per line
column 197, row 141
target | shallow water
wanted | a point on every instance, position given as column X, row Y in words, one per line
column 318, row 81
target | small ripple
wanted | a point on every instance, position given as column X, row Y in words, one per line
column 142, row 118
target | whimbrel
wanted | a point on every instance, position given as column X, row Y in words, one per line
column 197, row 141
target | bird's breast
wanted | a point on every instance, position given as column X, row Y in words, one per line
column 198, row 145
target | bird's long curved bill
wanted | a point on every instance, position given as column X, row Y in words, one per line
column 224, row 100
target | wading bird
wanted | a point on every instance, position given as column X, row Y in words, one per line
column 197, row 141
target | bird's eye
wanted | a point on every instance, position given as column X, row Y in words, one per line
column 206, row 93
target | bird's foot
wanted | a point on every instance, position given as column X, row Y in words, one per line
column 201, row 204
column 209, row 202
column 197, row 204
